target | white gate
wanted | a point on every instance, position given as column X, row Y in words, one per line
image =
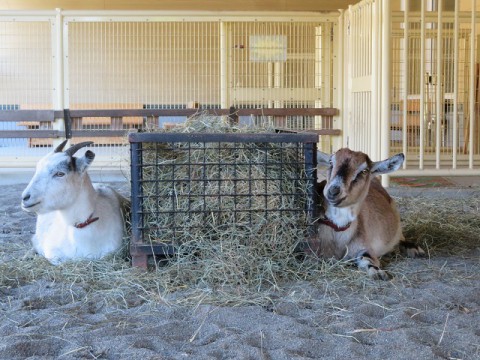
column 361, row 42
column 435, row 87
column 412, row 83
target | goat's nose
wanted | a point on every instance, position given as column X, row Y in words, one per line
column 334, row 191
column 26, row 197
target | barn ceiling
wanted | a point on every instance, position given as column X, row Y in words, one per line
column 208, row 5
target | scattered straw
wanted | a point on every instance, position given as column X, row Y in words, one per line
column 231, row 272
column 443, row 226
column 186, row 280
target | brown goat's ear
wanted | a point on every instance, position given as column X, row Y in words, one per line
column 387, row 166
column 323, row 158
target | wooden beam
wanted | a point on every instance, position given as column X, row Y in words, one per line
column 20, row 134
column 28, row 115
column 99, row 133
column 191, row 112
column 227, row 137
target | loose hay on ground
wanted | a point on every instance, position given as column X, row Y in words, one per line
column 237, row 273
column 113, row 281
column 446, row 226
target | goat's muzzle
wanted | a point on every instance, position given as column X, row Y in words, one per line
column 333, row 191
column 333, row 195
column 27, row 204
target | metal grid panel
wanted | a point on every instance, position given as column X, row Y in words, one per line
column 145, row 62
column 150, row 65
column 278, row 64
column 132, row 64
column 26, row 80
column 214, row 64
column 434, row 84
column 183, row 184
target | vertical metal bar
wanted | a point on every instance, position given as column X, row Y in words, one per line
column 59, row 70
column 405, row 82
column 472, row 89
column 439, row 102
column 364, row 33
column 422, row 86
column 338, row 75
column 161, row 63
column 349, row 124
column 354, row 45
column 174, row 209
column 319, row 62
column 310, row 154
column 455, row 85
column 68, row 123
column 375, row 80
column 346, row 76
column 270, row 82
column 224, row 101
column 170, row 56
column 137, row 200
column 386, row 79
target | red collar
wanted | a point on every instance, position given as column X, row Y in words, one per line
column 86, row 222
column 328, row 222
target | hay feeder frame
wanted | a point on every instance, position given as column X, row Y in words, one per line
column 145, row 174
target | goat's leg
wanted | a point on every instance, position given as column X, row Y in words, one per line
column 371, row 265
column 411, row 249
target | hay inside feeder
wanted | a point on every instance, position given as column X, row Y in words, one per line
column 237, row 208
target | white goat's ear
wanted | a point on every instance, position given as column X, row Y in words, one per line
column 323, row 158
column 387, row 166
column 84, row 162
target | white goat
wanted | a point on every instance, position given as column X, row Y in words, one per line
column 76, row 220
column 358, row 220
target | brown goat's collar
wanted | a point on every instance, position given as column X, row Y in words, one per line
column 86, row 222
column 330, row 223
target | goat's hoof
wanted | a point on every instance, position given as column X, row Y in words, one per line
column 411, row 250
column 375, row 273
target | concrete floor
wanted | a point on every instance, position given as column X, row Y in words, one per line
column 465, row 181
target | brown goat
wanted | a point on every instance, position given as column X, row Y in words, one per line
column 358, row 220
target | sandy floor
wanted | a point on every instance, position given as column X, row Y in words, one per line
column 429, row 310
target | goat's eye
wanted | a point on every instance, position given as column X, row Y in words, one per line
column 361, row 173
column 59, row 174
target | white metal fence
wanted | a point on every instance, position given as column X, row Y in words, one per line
column 26, row 74
column 414, row 86
column 404, row 74
column 435, row 86
column 158, row 60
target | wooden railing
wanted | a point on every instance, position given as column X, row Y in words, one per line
column 73, row 119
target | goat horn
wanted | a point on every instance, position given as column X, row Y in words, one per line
column 60, row 147
column 73, row 149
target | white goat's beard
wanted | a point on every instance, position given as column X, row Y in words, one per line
column 31, row 209
column 38, row 209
